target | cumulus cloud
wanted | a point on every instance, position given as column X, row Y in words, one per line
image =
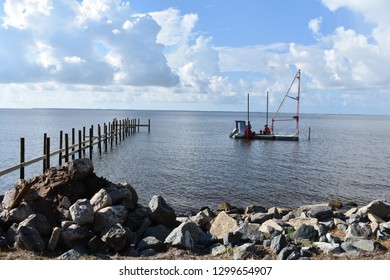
column 75, row 42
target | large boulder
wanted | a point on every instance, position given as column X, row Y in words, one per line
column 79, row 169
column 184, row 236
column 377, row 207
column 82, row 212
column 222, row 224
column 109, row 216
column 161, row 212
column 100, row 200
column 39, row 222
column 117, row 237
column 75, row 235
column 29, row 238
column 306, row 232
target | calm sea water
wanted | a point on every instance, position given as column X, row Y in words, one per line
column 189, row 159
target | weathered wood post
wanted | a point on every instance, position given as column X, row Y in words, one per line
column 73, row 142
column 22, row 151
column 66, row 147
column 44, row 152
column 80, row 144
column 105, row 137
column 90, row 142
column 60, row 154
column 99, row 140
column 138, row 124
column 47, row 153
column 84, row 136
column 149, row 125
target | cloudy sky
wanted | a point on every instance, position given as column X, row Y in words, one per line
column 195, row 54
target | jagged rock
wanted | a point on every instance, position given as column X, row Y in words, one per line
column 39, row 222
column 20, row 213
column 79, row 169
column 321, row 212
column 151, row 242
column 82, row 212
column 217, row 250
column 203, row 219
column 296, row 222
column 100, row 200
column 250, row 232
column 333, row 239
column 377, row 207
column 278, row 243
column 260, row 218
column 120, row 194
column 117, row 237
column 374, row 218
column 54, row 239
column 3, row 241
column 306, row 232
column 255, row 209
column 147, row 253
column 75, row 235
column 366, row 245
column 71, row 255
column 29, row 238
column 248, row 251
column 96, row 245
column 184, row 236
column 144, row 226
column 288, row 251
column 109, row 216
column 358, row 230
column 232, row 238
column 160, row 232
column 161, row 212
column 328, row 248
column 222, row 224
column 270, row 228
column 134, row 195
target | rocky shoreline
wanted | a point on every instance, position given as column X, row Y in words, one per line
column 70, row 213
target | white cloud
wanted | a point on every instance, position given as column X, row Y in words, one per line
column 315, row 24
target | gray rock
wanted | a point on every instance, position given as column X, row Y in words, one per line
column 147, row 253
column 3, row 241
column 161, row 212
column 54, row 239
column 109, row 216
column 29, row 238
column 82, row 212
column 379, row 208
column 184, row 236
column 278, row 243
column 232, row 238
column 144, row 226
column 20, row 213
column 79, row 169
column 217, row 250
column 71, row 255
column 117, row 237
column 75, row 235
column 321, row 212
column 250, row 233
column 97, row 245
column 151, row 242
column 306, row 232
column 120, row 194
column 203, row 219
column 288, row 251
column 366, row 245
column 100, row 200
column 248, row 251
column 328, row 248
column 39, row 222
column 160, row 232
column 358, row 230
column 260, row 218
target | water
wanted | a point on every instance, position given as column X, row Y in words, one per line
column 189, row 159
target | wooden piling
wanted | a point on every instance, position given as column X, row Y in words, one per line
column 44, row 152
column 60, row 154
column 80, row 144
column 22, row 152
column 309, row 134
column 73, row 142
column 90, row 142
column 66, row 147
column 47, row 153
column 99, row 140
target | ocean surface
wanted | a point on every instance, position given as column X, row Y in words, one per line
column 189, row 159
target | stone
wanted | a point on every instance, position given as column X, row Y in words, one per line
column 306, row 232
column 82, row 212
column 29, row 238
column 222, row 224
column 161, row 212
column 278, row 243
column 117, row 237
column 285, row 253
column 203, row 219
column 39, row 222
column 366, row 245
column 54, row 239
column 260, row 218
column 143, row 227
column 160, row 232
column 374, row 218
column 328, row 248
column 358, row 230
column 184, row 236
column 97, row 245
column 250, row 232
column 134, row 195
column 79, row 169
column 351, row 211
column 151, row 242
column 255, row 209
column 217, row 250
column 109, row 216
column 120, row 194
column 321, row 212
column 100, row 200
column 20, row 213
column 296, row 222
column 377, row 207
column 248, row 251
column 231, row 238
column 71, row 255
column 270, row 227
column 75, row 235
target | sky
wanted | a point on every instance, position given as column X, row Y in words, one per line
column 195, row 54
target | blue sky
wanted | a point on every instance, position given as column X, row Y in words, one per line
column 195, row 54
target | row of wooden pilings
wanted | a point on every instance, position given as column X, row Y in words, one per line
column 108, row 135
